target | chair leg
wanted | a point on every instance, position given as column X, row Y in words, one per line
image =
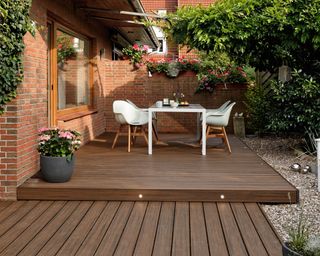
column 134, row 135
column 116, row 137
column 226, row 139
column 129, row 138
column 155, row 132
column 144, row 134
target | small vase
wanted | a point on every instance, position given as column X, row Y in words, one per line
column 56, row 169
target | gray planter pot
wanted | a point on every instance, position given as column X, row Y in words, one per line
column 286, row 251
column 56, row 169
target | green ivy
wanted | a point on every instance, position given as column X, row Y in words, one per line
column 14, row 24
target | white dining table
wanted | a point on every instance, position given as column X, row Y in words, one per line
column 191, row 108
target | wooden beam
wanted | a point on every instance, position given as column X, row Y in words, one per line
column 117, row 12
column 128, row 22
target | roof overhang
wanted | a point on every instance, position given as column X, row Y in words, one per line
column 126, row 17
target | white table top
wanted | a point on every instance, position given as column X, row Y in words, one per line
column 190, row 108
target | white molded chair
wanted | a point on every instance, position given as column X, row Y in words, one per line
column 216, row 123
column 126, row 114
column 154, row 119
column 221, row 108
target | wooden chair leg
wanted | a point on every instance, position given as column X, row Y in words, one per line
column 134, row 135
column 144, row 134
column 208, row 130
column 116, row 137
column 226, row 139
column 155, row 132
column 129, row 138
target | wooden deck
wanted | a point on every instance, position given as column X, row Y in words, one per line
column 135, row 228
column 177, row 172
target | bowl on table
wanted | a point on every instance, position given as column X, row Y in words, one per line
column 174, row 104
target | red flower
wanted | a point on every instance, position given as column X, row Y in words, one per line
column 136, row 47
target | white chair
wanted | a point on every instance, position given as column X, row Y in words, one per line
column 126, row 114
column 215, row 110
column 221, row 108
column 154, row 119
column 216, row 123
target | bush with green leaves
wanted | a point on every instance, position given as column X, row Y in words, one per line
column 14, row 24
column 259, row 107
column 263, row 34
column 296, row 104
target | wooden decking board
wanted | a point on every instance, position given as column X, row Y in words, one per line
column 181, row 232
column 25, row 237
column 18, row 228
column 173, row 173
column 163, row 241
column 96, row 234
column 63, row 233
column 264, row 230
column 236, row 245
column 140, row 228
column 252, row 240
column 14, row 217
column 37, row 243
column 148, row 230
column 131, row 232
column 112, row 237
column 4, row 205
column 11, row 209
column 216, row 239
column 74, row 241
column 198, row 232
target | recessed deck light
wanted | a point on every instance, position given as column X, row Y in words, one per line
column 222, row 196
column 140, row 195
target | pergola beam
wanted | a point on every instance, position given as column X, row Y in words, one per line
column 116, row 12
column 128, row 22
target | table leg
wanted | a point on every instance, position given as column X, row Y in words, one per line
column 204, row 135
column 150, row 132
column 198, row 127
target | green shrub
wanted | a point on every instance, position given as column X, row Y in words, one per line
column 14, row 24
column 259, row 107
column 296, row 104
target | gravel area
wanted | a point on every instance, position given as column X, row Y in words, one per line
column 279, row 153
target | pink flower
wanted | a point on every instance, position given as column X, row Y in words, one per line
column 136, row 47
column 43, row 129
column 44, row 137
column 66, row 135
column 145, row 48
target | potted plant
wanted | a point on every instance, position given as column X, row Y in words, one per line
column 56, row 148
column 136, row 53
column 300, row 242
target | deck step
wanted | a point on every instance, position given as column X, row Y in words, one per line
column 30, row 192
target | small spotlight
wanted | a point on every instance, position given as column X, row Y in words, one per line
column 140, row 195
column 222, row 196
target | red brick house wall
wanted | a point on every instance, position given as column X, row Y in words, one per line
column 29, row 111
column 128, row 83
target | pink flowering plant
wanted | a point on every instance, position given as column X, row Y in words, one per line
column 208, row 79
column 58, row 142
column 163, row 65
column 136, row 53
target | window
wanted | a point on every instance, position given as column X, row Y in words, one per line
column 160, row 35
column 72, row 71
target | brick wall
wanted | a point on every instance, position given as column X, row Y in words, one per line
column 128, row 83
column 19, row 158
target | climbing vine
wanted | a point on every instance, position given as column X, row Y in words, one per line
column 15, row 22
